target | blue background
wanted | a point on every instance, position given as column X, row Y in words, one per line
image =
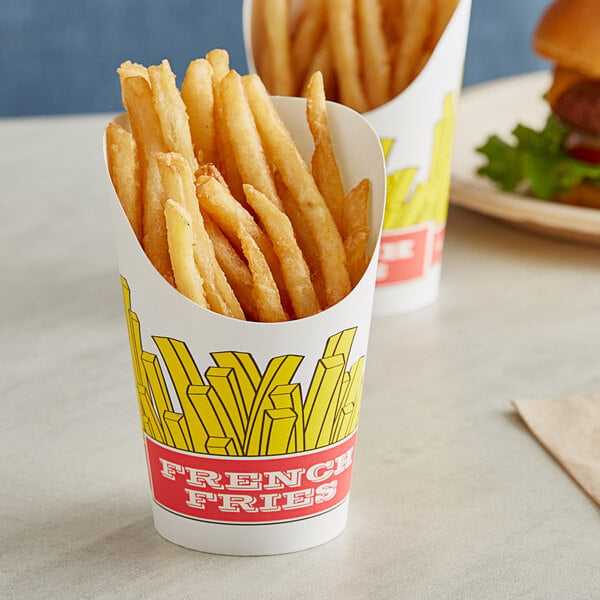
column 60, row 56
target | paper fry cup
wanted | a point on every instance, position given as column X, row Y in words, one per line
column 249, row 428
column 416, row 131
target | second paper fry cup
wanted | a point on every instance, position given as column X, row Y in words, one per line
column 249, row 428
column 416, row 131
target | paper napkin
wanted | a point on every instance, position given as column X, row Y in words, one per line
column 569, row 428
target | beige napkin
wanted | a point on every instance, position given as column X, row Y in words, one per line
column 569, row 428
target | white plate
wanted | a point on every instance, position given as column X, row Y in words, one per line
column 495, row 108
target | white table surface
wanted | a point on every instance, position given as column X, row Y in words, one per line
column 452, row 496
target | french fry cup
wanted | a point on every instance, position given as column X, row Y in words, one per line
column 415, row 126
column 249, row 428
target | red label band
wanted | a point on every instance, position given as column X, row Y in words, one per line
column 406, row 254
column 250, row 490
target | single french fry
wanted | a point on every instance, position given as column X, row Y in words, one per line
column 181, row 248
column 124, row 170
column 285, row 156
column 344, row 49
column 322, row 62
column 374, row 54
column 244, row 138
column 412, row 42
column 178, row 182
column 130, row 69
column 144, row 122
column 235, row 269
column 304, row 238
column 278, row 48
column 325, row 169
column 170, row 108
column 197, row 94
column 295, row 270
column 228, row 213
column 303, row 234
column 145, row 127
column 211, row 170
column 356, row 208
column 219, row 60
column 356, row 229
column 264, row 288
column 306, row 38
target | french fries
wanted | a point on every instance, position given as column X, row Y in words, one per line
column 222, row 201
column 369, row 51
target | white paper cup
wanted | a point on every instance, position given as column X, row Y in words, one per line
column 249, row 428
column 416, row 129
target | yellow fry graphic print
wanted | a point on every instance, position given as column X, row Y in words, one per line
column 232, row 409
column 429, row 199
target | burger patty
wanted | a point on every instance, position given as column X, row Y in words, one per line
column 579, row 107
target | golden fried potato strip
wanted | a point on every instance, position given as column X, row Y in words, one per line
column 235, row 269
column 374, row 53
column 277, row 46
column 170, row 108
column 180, row 237
column 197, row 94
column 285, row 156
column 324, row 165
column 356, row 229
column 264, row 289
column 219, row 60
column 295, row 270
column 178, row 182
column 244, row 138
column 124, row 170
column 306, row 39
column 145, row 127
column 344, row 48
column 411, row 47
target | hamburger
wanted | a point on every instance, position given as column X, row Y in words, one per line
column 562, row 161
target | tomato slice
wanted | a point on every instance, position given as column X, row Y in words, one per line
column 586, row 154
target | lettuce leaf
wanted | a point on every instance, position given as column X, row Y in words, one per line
column 536, row 160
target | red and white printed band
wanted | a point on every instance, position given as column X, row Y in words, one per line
column 250, row 490
column 407, row 253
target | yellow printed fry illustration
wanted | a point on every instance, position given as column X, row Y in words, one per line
column 428, row 200
column 232, row 409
